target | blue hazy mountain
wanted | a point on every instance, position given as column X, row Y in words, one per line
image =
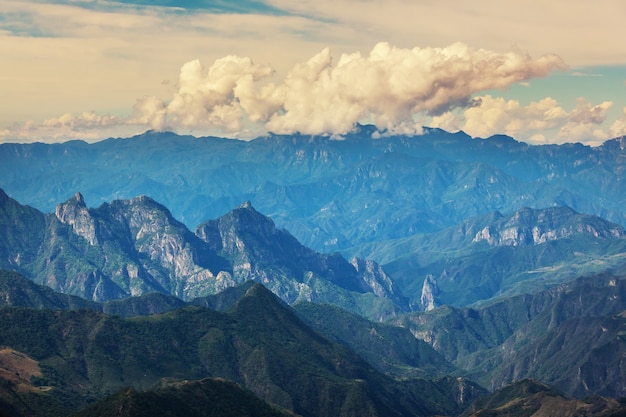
column 133, row 247
column 330, row 194
column 494, row 259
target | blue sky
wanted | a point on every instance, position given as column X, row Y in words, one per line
column 542, row 72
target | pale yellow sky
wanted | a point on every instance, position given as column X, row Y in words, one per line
column 76, row 68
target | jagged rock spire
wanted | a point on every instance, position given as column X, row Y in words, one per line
column 74, row 212
column 79, row 199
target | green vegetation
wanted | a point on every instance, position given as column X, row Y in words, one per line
column 391, row 349
column 258, row 343
column 529, row 397
column 202, row 398
column 568, row 337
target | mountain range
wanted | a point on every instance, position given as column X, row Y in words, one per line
column 133, row 247
column 63, row 360
column 62, row 354
column 330, row 194
column 366, row 275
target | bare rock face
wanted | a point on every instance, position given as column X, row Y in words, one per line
column 533, row 227
column 430, row 291
column 260, row 252
column 378, row 281
column 140, row 248
column 74, row 213
column 166, row 250
column 134, row 247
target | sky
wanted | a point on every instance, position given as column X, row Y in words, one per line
column 539, row 71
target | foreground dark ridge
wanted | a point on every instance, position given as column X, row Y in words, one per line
column 80, row 356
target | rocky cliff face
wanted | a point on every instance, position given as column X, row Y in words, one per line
column 133, row 247
column 533, row 227
column 166, row 251
column 261, row 252
column 381, row 284
column 430, row 292
column 74, row 213
column 140, row 248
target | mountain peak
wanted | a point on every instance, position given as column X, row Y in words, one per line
column 260, row 291
column 530, row 226
column 247, row 205
column 79, row 199
column 74, row 213
column 144, row 199
column 76, row 201
column 259, row 302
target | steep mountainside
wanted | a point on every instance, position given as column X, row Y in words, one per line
column 134, row 247
column 570, row 336
column 331, row 194
column 22, row 227
column 532, row 398
column 393, row 350
column 263, row 253
column 206, row 397
column 259, row 343
column 390, row 349
column 18, row 291
column 497, row 255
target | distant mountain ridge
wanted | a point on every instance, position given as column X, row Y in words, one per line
column 495, row 255
column 330, row 194
column 133, row 247
column 532, row 227
column 571, row 337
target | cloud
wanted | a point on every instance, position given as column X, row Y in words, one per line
column 59, row 58
column 494, row 115
column 574, row 29
column 63, row 56
column 389, row 87
column 208, row 99
column 88, row 126
column 618, row 127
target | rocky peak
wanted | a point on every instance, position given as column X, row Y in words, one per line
column 74, row 213
column 3, row 196
column 241, row 229
column 532, row 227
column 378, row 281
column 261, row 252
column 80, row 200
column 144, row 216
column 430, row 292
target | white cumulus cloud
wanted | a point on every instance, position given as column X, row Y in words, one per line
column 533, row 122
column 618, row 127
column 389, row 87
